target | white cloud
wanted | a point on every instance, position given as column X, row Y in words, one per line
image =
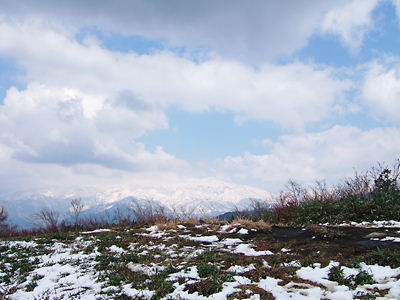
column 351, row 22
column 57, row 125
column 255, row 31
column 381, row 89
column 84, row 106
column 293, row 95
column 396, row 3
column 330, row 155
column 18, row 175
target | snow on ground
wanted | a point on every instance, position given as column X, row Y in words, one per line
column 243, row 231
column 207, row 239
column 148, row 270
column 390, row 239
column 247, row 249
column 241, row 269
column 231, row 241
column 181, row 264
column 97, row 231
column 374, row 224
column 384, row 276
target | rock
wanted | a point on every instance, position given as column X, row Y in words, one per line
column 375, row 235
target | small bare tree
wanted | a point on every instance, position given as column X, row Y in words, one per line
column 183, row 213
column 320, row 192
column 48, row 218
column 3, row 215
column 76, row 210
column 148, row 212
column 6, row 229
column 123, row 217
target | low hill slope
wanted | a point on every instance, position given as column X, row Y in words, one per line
column 243, row 260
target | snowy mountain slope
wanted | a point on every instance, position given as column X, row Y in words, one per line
column 200, row 197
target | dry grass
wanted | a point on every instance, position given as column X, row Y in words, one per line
column 191, row 222
column 250, row 224
column 215, row 224
column 214, row 221
column 254, row 289
column 169, row 225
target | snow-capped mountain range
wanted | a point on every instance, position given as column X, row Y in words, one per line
column 200, row 197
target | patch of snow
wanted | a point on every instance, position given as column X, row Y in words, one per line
column 247, row 250
column 96, row 231
column 380, row 273
column 241, row 269
column 206, row 239
column 292, row 264
column 391, row 239
column 152, row 229
column 374, row 224
column 224, row 228
column 187, row 273
column 22, row 244
column 317, row 274
column 134, row 293
column 61, row 281
column 243, row 231
column 143, row 253
column 231, row 241
column 148, row 270
column 116, row 249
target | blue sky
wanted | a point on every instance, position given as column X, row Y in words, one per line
column 253, row 94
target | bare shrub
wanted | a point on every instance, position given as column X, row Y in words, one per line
column 93, row 222
column 124, row 217
column 169, row 225
column 148, row 212
column 76, row 210
column 320, row 192
column 48, row 218
column 5, row 228
column 257, row 210
column 360, row 185
column 3, row 215
column 183, row 213
column 295, row 193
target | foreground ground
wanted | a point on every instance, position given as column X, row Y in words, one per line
column 245, row 260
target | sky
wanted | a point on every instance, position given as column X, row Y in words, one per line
column 145, row 92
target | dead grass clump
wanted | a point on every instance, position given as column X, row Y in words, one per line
column 215, row 224
column 257, row 274
column 244, row 294
column 250, row 224
column 191, row 222
column 205, row 287
column 169, row 225
column 213, row 221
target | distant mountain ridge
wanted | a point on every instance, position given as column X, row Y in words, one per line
column 199, row 198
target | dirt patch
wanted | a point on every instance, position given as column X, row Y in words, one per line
column 321, row 244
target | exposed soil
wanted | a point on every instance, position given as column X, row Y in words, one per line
column 323, row 244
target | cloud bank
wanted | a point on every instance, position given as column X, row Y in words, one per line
column 79, row 108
